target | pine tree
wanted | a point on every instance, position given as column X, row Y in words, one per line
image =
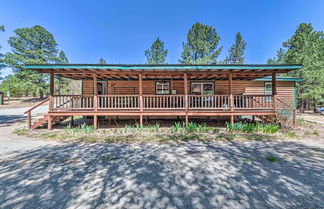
column 306, row 47
column 33, row 45
column 102, row 61
column 236, row 52
column 62, row 83
column 280, row 57
column 156, row 54
column 2, row 64
column 62, row 58
column 201, row 46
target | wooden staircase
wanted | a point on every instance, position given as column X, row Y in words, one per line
column 44, row 120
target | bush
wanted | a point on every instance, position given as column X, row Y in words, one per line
column 82, row 128
column 250, row 128
column 192, row 127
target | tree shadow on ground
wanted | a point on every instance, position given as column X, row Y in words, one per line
column 6, row 120
column 184, row 175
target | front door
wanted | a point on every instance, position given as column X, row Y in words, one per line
column 102, row 87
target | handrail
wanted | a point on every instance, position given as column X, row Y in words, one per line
column 39, row 104
column 289, row 106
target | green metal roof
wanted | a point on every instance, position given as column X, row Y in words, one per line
column 162, row 67
column 269, row 78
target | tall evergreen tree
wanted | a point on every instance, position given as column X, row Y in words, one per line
column 33, row 45
column 201, row 46
column 306, row 47
column 62, row 58
column 62, row 83
column 156, row 54
column 236, row 52
column 280, row 57
column 102, row 61
column 2, row 29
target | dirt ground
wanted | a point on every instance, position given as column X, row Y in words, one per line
column 274, row 173
column 311, row 117
column 20, row 102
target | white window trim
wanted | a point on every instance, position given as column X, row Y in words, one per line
column 162, row 82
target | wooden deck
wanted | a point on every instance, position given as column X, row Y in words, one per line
column 160, row 105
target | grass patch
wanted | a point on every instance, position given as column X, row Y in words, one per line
column 82, row 128
column 315, row 133
column 291, row 134
column 272, row 159
column 225, row 136
column 107, row 158
column 191, row 128
column 251, row 128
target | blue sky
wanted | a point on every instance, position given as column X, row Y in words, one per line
column 121, row 30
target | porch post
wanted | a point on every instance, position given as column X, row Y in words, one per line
column 51, row 84
column 185, row 83
column 231, row 99
column 274, row 90
column 95, row 101
column 49, row 123
column 51, row 92
column 140, row 92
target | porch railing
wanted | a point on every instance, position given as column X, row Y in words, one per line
column 252, row 101
column 132, row 102
column 163, row 101
column 64, row 102
column 208, row 101
column 118, row 102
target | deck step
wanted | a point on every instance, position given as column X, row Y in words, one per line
column 39, row 122
column 44, row 119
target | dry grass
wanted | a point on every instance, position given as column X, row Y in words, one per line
column 20, row 102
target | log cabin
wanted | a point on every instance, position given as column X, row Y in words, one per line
column 171, row 90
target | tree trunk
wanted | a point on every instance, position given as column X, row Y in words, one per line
column 314, row 105
column 41, row 94
column 302, row 106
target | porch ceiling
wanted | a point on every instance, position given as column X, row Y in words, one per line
column 155, row 72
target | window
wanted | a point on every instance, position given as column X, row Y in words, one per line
column 162, row 87
column 202, row 88
column 268, row 90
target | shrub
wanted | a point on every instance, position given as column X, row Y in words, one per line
column 291, row 134
column 153, row 128
column 250, row 128
column 83, row 128
column 177, row 127
column 272, row 159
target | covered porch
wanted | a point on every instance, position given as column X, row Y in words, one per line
column 185, row 102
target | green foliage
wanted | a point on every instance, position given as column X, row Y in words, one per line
column 250, row 128
column 82, row 128
column 315, row 133
column 2, row 64
column 272, row 159
column 177, row 127
column 106, row 158
column 61, row 84
column 192, row 127
column 33, row 45
column 153, row 128
column 102, row 61
column 201, row 46
column 291, row 134
column 236, row 52
column 306, row 47
column 156, row 54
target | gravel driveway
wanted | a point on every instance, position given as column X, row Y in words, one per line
column 46, row 174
